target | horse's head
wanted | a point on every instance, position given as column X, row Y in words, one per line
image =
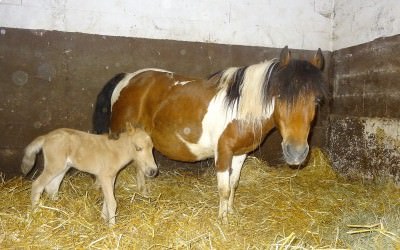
column 297, row 87
column 142, row 150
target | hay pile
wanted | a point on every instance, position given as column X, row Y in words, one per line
column 277, row 208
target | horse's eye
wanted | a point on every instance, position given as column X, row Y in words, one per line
column 138, row 148
column 318, row 101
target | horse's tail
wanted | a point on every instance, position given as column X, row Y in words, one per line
column 30, row 154
column 102, row 111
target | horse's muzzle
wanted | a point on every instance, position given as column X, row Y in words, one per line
column 294, row 154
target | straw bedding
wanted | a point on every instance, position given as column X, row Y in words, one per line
column 276, row 208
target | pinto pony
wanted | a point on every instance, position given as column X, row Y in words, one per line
column 95, row 154
column 225, row 116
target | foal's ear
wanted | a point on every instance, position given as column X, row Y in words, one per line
column 130, row 128
column 318, row 60
column 285, row 56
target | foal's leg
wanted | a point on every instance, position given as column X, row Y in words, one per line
column 38, row 185
column 52, row 167
column 141, row 182
column 54, row 185
column 237, row 164
column 109, row 204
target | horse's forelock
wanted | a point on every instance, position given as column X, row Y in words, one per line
column 295, row 80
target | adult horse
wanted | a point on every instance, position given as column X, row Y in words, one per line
column 225, row 116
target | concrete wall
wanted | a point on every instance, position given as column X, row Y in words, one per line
column 364, row 137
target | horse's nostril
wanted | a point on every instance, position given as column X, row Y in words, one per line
column 294, row 151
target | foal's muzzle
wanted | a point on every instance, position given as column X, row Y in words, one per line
column 294, row 154
column 153, row 172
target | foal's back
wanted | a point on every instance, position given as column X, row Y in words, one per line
column 84, row 151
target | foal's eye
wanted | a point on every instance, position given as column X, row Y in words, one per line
column 138, row 148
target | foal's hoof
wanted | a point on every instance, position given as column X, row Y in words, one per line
column 144, row 191
column 223, row 218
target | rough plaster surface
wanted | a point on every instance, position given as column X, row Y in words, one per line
column 301, row 24
column 359, row 22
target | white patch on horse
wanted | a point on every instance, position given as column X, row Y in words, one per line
column 250, row 110
column 181, row 83
column 187, row 131
column 125, row 81
column 214, row 122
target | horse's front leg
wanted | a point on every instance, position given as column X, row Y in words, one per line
column 223, row 161
column 224, row 193
column 236, row 167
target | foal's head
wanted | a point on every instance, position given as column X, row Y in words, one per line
column 297, row 86
column 142, row 150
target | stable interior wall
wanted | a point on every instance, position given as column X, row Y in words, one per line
column 56, row 55
column 51, row 80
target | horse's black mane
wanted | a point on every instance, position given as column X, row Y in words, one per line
column 296, row 79
column 233, row 91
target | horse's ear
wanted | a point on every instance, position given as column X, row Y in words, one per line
column 285, row 56
column 318, row 60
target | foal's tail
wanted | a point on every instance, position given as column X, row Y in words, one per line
column 30, row 154
column 102, row 111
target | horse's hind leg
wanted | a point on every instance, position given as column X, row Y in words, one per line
column 109, row 204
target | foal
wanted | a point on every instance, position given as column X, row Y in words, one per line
column 96, row 154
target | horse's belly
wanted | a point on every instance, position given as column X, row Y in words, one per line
column 192, row 139
column 175, row 147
